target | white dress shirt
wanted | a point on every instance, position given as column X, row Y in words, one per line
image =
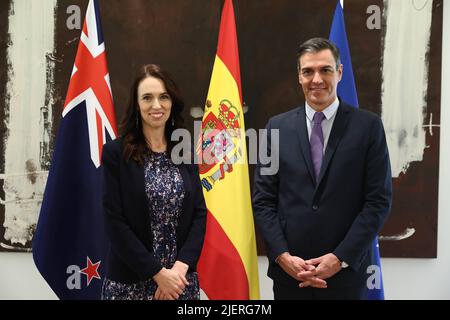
column 327, row 123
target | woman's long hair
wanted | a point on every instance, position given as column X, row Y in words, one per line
column 135, row 145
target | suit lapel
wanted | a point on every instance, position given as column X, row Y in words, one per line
column 302, row 133
column 337, row 131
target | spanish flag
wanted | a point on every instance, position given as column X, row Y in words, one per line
column 228, row 266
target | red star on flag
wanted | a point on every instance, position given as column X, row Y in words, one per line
column 91, row 270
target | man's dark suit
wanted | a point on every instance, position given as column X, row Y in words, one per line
column 342, row 212
column 127, row 218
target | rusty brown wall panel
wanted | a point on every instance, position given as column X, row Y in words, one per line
column 181, row 35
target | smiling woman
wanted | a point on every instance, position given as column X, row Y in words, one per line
column 154, row 210
column 155, row 106
column 153, row 113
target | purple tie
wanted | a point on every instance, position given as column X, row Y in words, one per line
column 316, row 142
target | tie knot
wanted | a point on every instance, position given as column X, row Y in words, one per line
column 318, row 117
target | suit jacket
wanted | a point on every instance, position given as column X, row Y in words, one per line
column 127, row 218
column 343, row 211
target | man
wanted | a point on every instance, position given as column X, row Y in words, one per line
column 332, row 193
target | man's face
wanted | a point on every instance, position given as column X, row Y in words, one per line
column 319, row 78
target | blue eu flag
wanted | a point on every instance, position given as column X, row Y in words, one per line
column 346, row 90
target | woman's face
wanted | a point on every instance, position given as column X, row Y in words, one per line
column 154, row 103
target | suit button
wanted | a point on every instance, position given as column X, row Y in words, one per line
column 315, row 207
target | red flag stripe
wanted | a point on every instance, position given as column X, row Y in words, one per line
column 226, row 282
column 91, row 74
column 227, row 48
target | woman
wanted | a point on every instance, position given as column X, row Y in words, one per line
column 154, row 210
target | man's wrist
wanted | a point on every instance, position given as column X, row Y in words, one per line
column 342, row 262
column 278, row 259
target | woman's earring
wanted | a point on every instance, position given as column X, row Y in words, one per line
column 137, row 121
column 173, row 121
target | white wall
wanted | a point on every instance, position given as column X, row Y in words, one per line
column 19, row 278
column 403, row 278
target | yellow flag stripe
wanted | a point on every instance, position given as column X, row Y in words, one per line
column 229, row 200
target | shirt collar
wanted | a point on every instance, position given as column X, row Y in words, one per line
column 328, row 111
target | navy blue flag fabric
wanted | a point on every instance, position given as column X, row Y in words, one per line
column 69, row 246
column 346, row 89
column 347, row 92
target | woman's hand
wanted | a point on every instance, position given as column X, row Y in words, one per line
column 170, row 284
column 181, row 268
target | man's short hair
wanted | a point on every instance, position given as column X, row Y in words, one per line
column 315, row 45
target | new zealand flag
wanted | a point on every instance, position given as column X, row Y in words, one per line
column 69, row 245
